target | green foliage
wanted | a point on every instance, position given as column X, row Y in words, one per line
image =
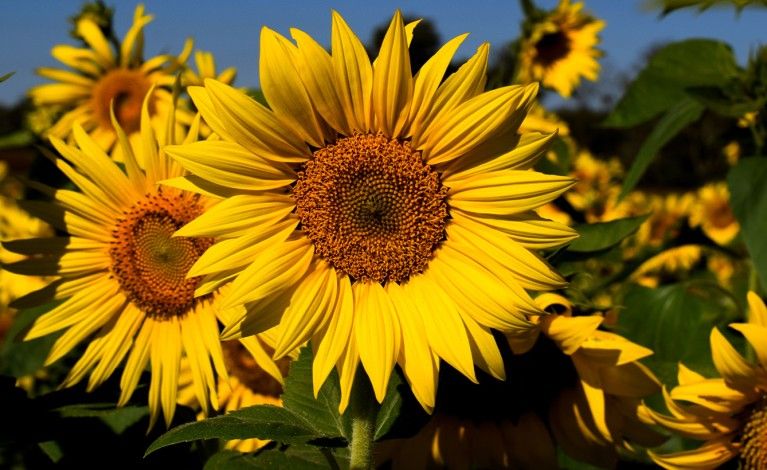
column 6, row 76
column 19, row 358
column 668, row 6
column 293, row 457
column 604, row 235
column 748, row 199
column 675, row 321
column 667, row 77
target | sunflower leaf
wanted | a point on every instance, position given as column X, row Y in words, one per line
column 261, row 421
column 18, row 357
column 749, row 204
column 677, row 118
column 667, row 76
column 603, row 235
column 655, row 318
column 323, row 411
column 6, row 76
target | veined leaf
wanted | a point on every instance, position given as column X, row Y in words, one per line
column 603, row 235
column 748, row 199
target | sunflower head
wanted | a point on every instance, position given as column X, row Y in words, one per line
column 711, row 211
column 386, row 217
column 561, row 49
column 102, row 76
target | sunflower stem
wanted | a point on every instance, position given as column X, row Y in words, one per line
column 363, row 410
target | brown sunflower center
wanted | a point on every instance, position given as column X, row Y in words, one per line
column 753, row 451
column 126, row 88
column 148, row 262
column 372, row 207
column 552, row 47
column 240, row 363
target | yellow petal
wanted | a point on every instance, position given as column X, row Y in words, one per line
column 729, row 363
column 392, row 80
column 354, row 75
column 333, row 341
column 377, row 333
column 757, row 310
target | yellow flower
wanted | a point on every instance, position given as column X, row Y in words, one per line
column 540, row 120
column 673, row 260
column 121, row 276
column 254, row 379
column 728, row 413
column 206, row 68
column 386, row 217
column 666, row 215
column 561, row 49
column 101, row 76
column 711, row 211
column 573, row 387
column 598, row 414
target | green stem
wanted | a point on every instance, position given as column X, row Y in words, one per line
column 363, row 409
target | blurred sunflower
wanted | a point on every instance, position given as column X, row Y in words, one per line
column 667, row 213
column 561, row 48
column 582, row 389
column 122, row 276
column 15, row 223
column 728, row 413
column 711, row 211
column 673, row 260
column 206, row 68
column 254, row 379
column 102, row 74
column 384, row 216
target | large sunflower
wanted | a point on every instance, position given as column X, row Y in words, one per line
column 386, row 217
column 561, row 48
column 122, row 278
column 728, row 413
column 102, row 74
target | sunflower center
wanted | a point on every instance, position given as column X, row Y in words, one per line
column 148, row 262
column 372, row 207
column 753, row 451
column 552, row 47
column 240, row 363
column 126, row 88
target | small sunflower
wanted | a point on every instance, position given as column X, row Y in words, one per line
column 595, row 413
column 102, row 75
column 711, row 211
column 121, row 275
column 581, row 392
column 386, row 217
column 673, row 260
column 561, row 48
column 728, row 413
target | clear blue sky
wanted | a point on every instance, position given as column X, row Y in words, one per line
column 230, row 29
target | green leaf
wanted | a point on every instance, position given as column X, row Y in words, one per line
column 677, row 118
column 292, row 457
column 118, row 419
column 675, row 321
column 18, row 357
column 668, row 6
column 261, row 421
column 669, row 72
column 299, row 398
column 604, row 235
column 748, row 199
column 21, row 138
column 6, row 76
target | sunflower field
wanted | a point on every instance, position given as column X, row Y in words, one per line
column 396, row 253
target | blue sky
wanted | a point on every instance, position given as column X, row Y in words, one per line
column 230, row 29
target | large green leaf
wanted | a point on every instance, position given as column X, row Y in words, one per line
column 677, row 118
column 261, row 421
column 675, row 321
column 18, row 357
column 669, row 72
column 323, row 411
column 604, row 235
column 748, row 198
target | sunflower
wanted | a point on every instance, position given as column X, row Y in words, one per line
column 595, row 411
column 254, row 379
column 582, row 389
column 102, row 74
column 121, row 277
column 728, row 413
column 673, row 260
column 386, row 217
column 206, row 68
column 711, row 211
column 560, row 49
